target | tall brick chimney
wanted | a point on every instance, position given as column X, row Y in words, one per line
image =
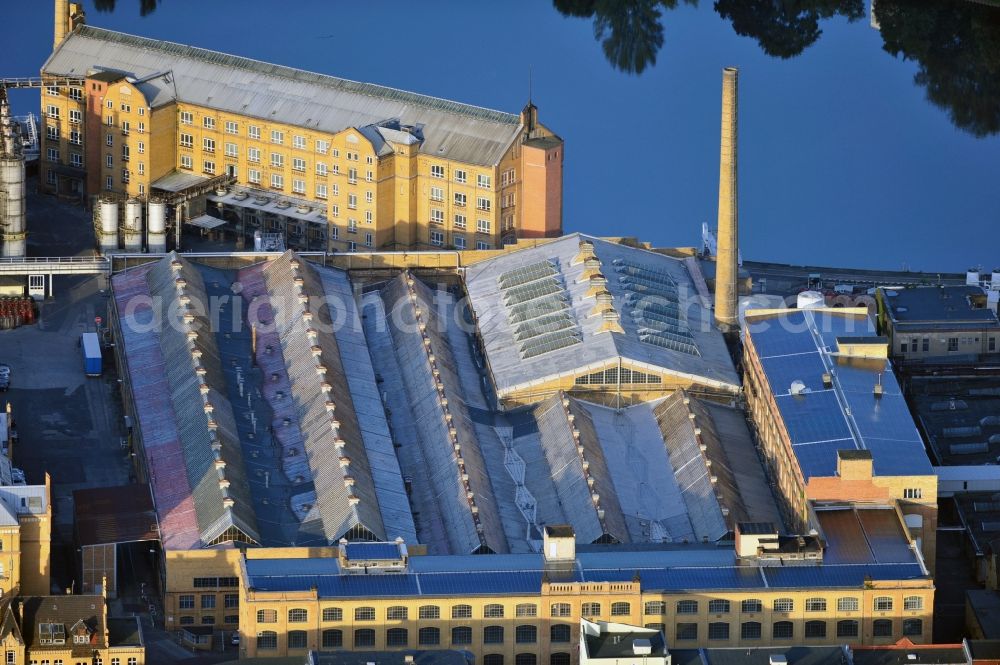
column 727, row 258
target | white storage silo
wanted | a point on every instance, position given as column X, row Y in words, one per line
column 156, row 225
column 13, row 205
column 132, row 226
column 109, row 226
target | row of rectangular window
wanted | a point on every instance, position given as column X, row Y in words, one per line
column 785, row 630
column 461, row 176
column 277, row 136
column 400, row 637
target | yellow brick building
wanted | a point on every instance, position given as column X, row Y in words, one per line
column 25, row 538
column 339, row 165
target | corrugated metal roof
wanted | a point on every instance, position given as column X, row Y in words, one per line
column 711, row 365
column 281, row 94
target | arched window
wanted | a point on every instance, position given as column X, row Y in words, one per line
column 429, row 612
column 297, row 639
column 429, row 637
column 266, row 640
column 493, row 659
column 396, row 613
column 590, row 609
column 364, row 613
column 493, row 611
column 847, row 628
column 655, row 607
column 750, row 630
column 687, row 606
column 364, row 637
column 621, row 609
column 783, row 630
column 751, row 605
column 913, row 603
column 333, row 638
column 560, row 609
column 333, row 614
column 525, row 659
column 526, row 610
column 267, row 616
column 913, row 627
column 816, row 629
column 882, row 604
column 882, row 628
column 297, row 615
column 525, row 634
column 559, row 632
column 461, row 635
column 559, row 658
column 718, row 630
column 461, row 612
column 718, row 607
column 397, row 637
column 784, row 605
column 847, row 604
column 493, row 635
column 815, row 604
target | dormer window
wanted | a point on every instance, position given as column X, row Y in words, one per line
column 81, row 639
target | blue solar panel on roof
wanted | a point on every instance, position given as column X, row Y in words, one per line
column 898, row 458
column 847, row 576
column 805, row 367
column 317, row 566
column 488, row 582
column 685, row 579
column 814, row 416
column 363, row 586
column 820, row 459
column 361, row 551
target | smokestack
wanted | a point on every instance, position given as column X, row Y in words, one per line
column 62, row 22
column 726, row 261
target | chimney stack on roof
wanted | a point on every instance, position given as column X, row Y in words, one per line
column 726, row 260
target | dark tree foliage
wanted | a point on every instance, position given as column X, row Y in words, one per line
column 956, row 45
column 785, row 28
column 630, row 31
column 146, row 7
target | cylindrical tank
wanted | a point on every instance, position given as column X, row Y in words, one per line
column 972, row 277
column 132, row 226
column 156, row 224
column 12, row 205
column 109, row 225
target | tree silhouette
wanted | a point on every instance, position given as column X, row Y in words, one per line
column 785, row 28
column 956, row 46
column 146, row 7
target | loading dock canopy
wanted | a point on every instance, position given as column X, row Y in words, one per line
column 108, row 515
column 206, row 222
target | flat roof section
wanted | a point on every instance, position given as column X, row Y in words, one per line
column 107, row 515
column 863, row 536
column 960, row 416
column 944, row 307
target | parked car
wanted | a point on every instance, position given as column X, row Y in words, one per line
column 235, row 639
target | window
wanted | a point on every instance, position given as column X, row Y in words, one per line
column 109, row 121
column 76, row 159
column 352, row 201
column 483, row 225
column 76, row 138
column 253, row 175
column 847, row 628
column 52, row 90
column 461, row 635
column 396, row 613
column 783, row 630
column 687, row 631
column 126, row 108
column 525, row 634
column 992, row 344
column 493, row 635
column 208, row 601
column 493, row 659
column 336, row 189
column 559, row 658
column 77, row 94
column 333, row 638
column 277, row 137
column 437, row 171
column 109, row 140
column 142, row 192
column 718, row 607
column 208, row 145
column 267, row 639
column 882, row 628
column 460, row 199
column 484, row 203
column 322, row 147
column 687, row 606
column 297, row 615
column 299, row 186
column 751, row 605
column 560, row 609
column 483, row 181
column 232, row 127
column 369, row 197
column 125, row 127
column 718, row 630
column 186, row 118
column 320, row 191
column 458, row 241
column 559, row 633
column 52, row 154
column 364, row 614
column 590, row 609
column 208, row 167
column 299, row 142
column 321, row 169
column 298, row 164
column 480, row 244
column 368, row 217
column 784, row 605
column 75, row 117
column 461, row 176
column 50, row 176
column 335, row 209
column 461, row 612
column 297, row 639
column 655, row 607
column 912, row 493
column 208, row 122
column 913, row 627
column 815, row 629
column 364, row 637
column 953, row 344
column 187, row 140
column 526, row 610
column 437, row 238
column 397, row 637
column 232, row 150
column 253, row 155
column 336, row 152
column 333, row 614
column 437, row 194
column 352, row 176
column 277, row 181
column 141, row 147
column 253, row 132
column 429, row 637
column 460, row 221
column 109, row 182
column 913, row 603
column 847, row 604
column 231, row 600
column 620, row 609
column 52, row 112
column 52, row 133
column 186, row 602
column 141, row 127
column 525, row 659
column 187, row 620
column 750, row 630
column 493, row 611
column 815, row 605
column 437, row 216
column 882, row 604
column 277, row 160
